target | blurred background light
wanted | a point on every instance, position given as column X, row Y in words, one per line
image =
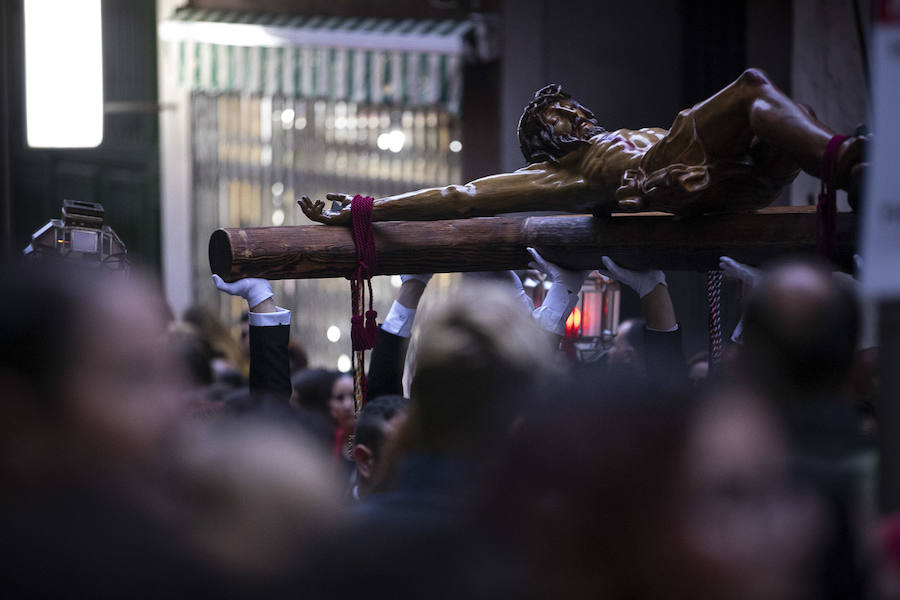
column 333, row 334
column 63, row 73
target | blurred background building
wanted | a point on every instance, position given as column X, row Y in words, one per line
column 222, row 112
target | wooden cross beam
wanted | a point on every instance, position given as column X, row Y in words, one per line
column 636, row 241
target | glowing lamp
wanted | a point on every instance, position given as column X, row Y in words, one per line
column 594, row 321
column 63, row 73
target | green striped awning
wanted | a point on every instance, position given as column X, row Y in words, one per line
column 404, row 62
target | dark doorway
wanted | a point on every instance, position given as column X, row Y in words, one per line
column 123, row 172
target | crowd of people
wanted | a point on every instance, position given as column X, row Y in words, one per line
column 148, row 456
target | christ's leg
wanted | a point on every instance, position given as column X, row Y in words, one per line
column 754, row 106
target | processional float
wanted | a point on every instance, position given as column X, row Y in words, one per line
column 674, row 199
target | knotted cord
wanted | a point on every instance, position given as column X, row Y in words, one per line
column 714, row 301
column 363, row 329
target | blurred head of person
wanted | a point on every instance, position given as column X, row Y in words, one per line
column 312, row 389
column 192, row 352
column 85, row 367
column 298, row 356
column 257, row 496
column 800, row 332
column 326, row 392
column 228, row 360
column 626, row 356
column 648, row 493
column 479, row 358
column 376, row 426
column 341, row 405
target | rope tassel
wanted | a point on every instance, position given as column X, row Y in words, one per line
column 363, row 327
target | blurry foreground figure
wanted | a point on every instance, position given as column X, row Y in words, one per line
column 479, row 358
column 376, row 427
column 102, row 493
column 800, row 335
column 620, row 491
column 85, row 370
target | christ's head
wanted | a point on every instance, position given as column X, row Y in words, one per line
column 553, row 124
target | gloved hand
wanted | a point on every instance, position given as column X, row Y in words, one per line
column 562, row 296
column 423, row 277
column 252, row 289
column 520, row 295
column 642, row 282
column 746, row 274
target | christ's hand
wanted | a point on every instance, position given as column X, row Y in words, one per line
column 316, row 211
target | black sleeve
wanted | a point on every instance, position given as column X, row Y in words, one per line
column 665, row 357
column 385, row 375
column 270, row 367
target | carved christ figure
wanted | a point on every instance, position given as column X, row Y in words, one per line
column 732, row 152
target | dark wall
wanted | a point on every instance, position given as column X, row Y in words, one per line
column 123, row 172
column 621, row 59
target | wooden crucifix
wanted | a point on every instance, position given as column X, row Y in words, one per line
column 638, row 241
column 721, row 159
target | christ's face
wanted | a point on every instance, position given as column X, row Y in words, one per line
column 570, row 121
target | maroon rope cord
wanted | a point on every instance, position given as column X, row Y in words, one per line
column 363, row 327
column 826, row 209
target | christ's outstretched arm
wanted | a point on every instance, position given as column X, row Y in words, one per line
column 538, row 187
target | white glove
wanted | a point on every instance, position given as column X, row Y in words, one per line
column 519, row 291
column 252, row 289
column 748, row 275
column 642, row 282
column 562, row 296
column 423, row 277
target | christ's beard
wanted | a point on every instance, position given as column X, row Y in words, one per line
column 588, row 129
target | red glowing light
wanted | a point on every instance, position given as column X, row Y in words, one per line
column 573, row 323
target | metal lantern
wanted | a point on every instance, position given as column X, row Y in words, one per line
column 594, row 322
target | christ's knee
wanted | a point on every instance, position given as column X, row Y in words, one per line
column 808, row 110
column 754, row 77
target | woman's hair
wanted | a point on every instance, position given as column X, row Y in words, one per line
column 479, row 357
column 537, row 138
column 313, row 388
column 212, row 331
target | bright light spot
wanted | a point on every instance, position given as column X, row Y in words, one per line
column 63, row 73
column 384, row 141
column 344, row 363
column 455, row 146
column 277, row 188
column 396, row 139
column 300, row 123
column 277, row 217
column 396, row 281
column 340, row 122
column 287, row 118
column 573, row 323
column 265, row 156
column 333, row 334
